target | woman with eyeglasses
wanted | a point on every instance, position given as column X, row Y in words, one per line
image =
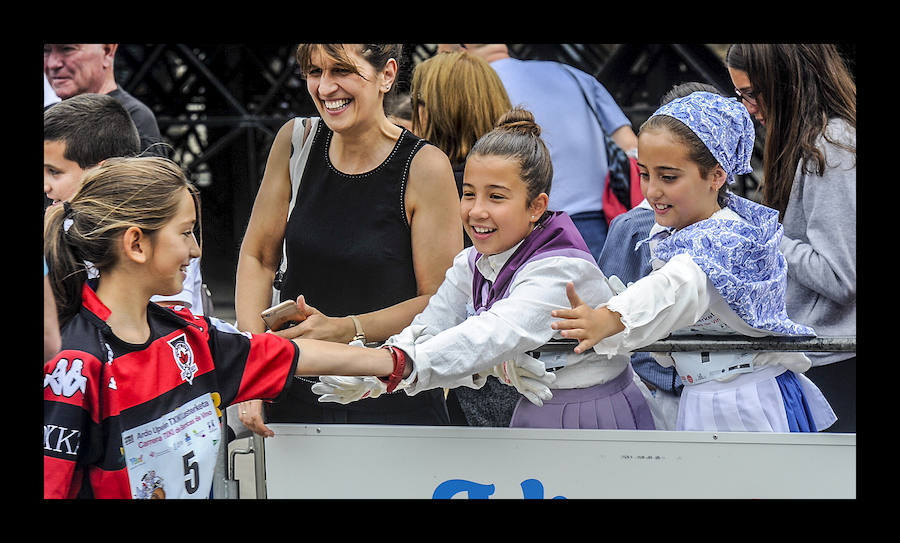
column 805, row 97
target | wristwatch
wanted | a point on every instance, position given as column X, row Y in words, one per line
column 360, row 335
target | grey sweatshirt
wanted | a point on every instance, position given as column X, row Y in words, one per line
column 820, row 244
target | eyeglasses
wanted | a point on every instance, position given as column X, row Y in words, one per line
column 748, row 95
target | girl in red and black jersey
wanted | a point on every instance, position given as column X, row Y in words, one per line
column 133, row 399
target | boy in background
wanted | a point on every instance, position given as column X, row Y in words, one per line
column 80, row 133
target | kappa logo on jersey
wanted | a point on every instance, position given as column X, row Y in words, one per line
column 65, row 380
column 184, row 358
column 61, row 440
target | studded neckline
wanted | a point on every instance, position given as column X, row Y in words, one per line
column 373, row 171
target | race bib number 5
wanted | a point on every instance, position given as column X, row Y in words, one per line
column 174, row 456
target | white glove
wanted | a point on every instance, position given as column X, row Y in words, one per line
column 344, row 389
column 529, row 376
column 616, row 284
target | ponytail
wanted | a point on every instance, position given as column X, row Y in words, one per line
column 66, row 271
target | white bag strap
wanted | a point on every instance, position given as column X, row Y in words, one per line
column 300, row 140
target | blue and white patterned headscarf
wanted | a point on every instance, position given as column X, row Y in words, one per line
column 722, row 124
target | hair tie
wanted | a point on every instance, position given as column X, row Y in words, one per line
column 67, row 216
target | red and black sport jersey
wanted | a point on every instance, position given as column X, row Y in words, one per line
column 98, row 386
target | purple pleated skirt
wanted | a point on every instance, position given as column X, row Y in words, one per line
column 617, row 404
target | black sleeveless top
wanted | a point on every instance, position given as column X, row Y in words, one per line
column 348, row 241
column 349, row 251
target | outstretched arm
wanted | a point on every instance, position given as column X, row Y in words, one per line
column 320, row 357
column 670, row 298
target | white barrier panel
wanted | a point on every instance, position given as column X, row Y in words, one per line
column 363, row 461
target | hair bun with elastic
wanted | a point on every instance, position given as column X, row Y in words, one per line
column 519, row 120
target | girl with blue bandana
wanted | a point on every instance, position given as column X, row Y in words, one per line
column 717, row 269
column 493, row 308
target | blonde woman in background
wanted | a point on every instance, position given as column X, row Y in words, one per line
column 456, row 98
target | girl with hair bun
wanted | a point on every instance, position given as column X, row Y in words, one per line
column 493, row 308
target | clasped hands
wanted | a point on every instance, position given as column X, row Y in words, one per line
column 527, row 375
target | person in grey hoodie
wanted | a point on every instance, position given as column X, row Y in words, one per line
column 809, row 168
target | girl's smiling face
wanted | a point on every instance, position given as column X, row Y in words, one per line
column 494, row 207
column 672, row 182
column 173, row 247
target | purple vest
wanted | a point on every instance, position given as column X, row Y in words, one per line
column 554, row 235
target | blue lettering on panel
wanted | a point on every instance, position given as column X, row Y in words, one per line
column 452, row 487
column 532, row 489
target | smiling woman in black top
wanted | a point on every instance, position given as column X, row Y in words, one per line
column 374, row 229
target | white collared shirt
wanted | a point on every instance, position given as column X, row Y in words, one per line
column 448, row 343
